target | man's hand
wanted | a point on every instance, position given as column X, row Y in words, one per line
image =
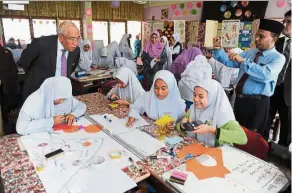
column 236, row 58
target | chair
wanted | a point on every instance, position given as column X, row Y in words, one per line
column 256, row 144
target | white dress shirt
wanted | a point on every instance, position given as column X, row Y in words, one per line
column 59, row 56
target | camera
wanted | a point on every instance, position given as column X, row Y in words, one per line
column 190, row 126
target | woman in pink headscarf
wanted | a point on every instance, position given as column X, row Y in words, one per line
column 180, row 63
column 153, row 57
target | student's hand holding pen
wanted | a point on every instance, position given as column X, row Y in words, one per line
column 70, row 119
column 59, row 119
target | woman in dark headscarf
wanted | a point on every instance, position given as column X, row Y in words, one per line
column 180, row 63
column 153, row 57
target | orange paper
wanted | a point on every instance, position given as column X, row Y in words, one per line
column 86, row 143
column 92, row 129
column 195, row 149
column 203, row 172
column 71, row 129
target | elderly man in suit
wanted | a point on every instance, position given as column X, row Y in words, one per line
column 281, row 100
column 48, row 56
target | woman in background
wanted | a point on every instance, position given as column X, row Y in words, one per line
column 137, row 46
column 124, row 62
column 176, row 47
column 167, row 64
column 85, row 60
column 125, row 47
column 180, row 63
column 154, row 57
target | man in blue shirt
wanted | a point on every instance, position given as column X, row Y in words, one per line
column 258, row 73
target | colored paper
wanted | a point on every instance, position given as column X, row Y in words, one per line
column 204, row 172
column 173, row 140
column 164, row 120
column 113, row 105
column 180, row 28
column 210, row 32
column 92, row 129
column 195, row 149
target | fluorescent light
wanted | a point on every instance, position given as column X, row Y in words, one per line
column 16, row 2
column 16, row 7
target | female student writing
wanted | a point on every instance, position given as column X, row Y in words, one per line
column 212, row 108
column 51, row 104
column 163, row 99
column 128, row 88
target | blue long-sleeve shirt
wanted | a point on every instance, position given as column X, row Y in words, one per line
column 263, row 75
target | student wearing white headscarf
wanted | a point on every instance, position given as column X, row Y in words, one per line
column 125, row 47
column 167, row 64
column 128, row 89
column 85, row 60
column 176, row 47
column 122, row 61
column 212, row 108
column 162, row 99
column 51, row 104
column 225, row 75
column 195, row 71
column 107, row 55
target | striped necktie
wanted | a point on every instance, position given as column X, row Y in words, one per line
column 63, row 63
column 244, row 77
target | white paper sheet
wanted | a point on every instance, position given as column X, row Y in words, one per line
column 242, row 179
column 67, row 171
column 211, row 32
column 230, row 33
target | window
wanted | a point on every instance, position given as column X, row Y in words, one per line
column 100, row 31
column 134, row 28
column 117, row 30
column 44, row 27
column 76, row 22
column 12, row 28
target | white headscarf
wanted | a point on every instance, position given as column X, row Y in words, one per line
column 85, row 60
column 125, row 49
column 122, row 61
column 40, row 104
column 133, row 89
column 172, row 105
column 195, row 71
column 112, row 52
column 167, row 64
column 218, row 110
column 176, row 38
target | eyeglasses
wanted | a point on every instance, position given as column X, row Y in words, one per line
column 287, row 21
column 72, row 39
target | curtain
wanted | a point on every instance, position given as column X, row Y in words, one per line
column 62, row 9
column 102, row 10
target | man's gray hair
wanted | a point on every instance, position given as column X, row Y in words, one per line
column 62, row 27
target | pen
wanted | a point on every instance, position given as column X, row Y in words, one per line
column 159, row 157
column 107, row 118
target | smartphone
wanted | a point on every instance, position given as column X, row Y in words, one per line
column 190, row 126
column 54, row 153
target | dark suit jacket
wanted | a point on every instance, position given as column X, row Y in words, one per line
column 287, row 80
column 39, row 62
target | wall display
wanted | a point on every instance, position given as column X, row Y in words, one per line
column 164, row 13
column 245, row 32
column 179, row 28
column 230, row 33
column 168, row 28
column 211, row 32
column 192, row 28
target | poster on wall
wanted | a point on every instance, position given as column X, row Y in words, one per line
column 158, row 25
column 210, row 32
column 180, row 28
column 230, row 33
column 245, row 35
column 255, row 27
column 168, row 28
column 164, row 13
column 192, row 28
column 147, row 30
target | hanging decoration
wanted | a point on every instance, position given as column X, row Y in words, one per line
column 173, row 6
column 238, row 12
column 182, row 6
column 186, row 12
column 190, row 5
column 223, row 8
column 199, row 4
column 115, row 4
column 194, row 11
column 244, row 3
column 47, row 22
column 281, row 3
column 227, row 15
column 177, row 12
column 89, row 12
column 41, row 22
column 54, row 22
column 233, row 4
